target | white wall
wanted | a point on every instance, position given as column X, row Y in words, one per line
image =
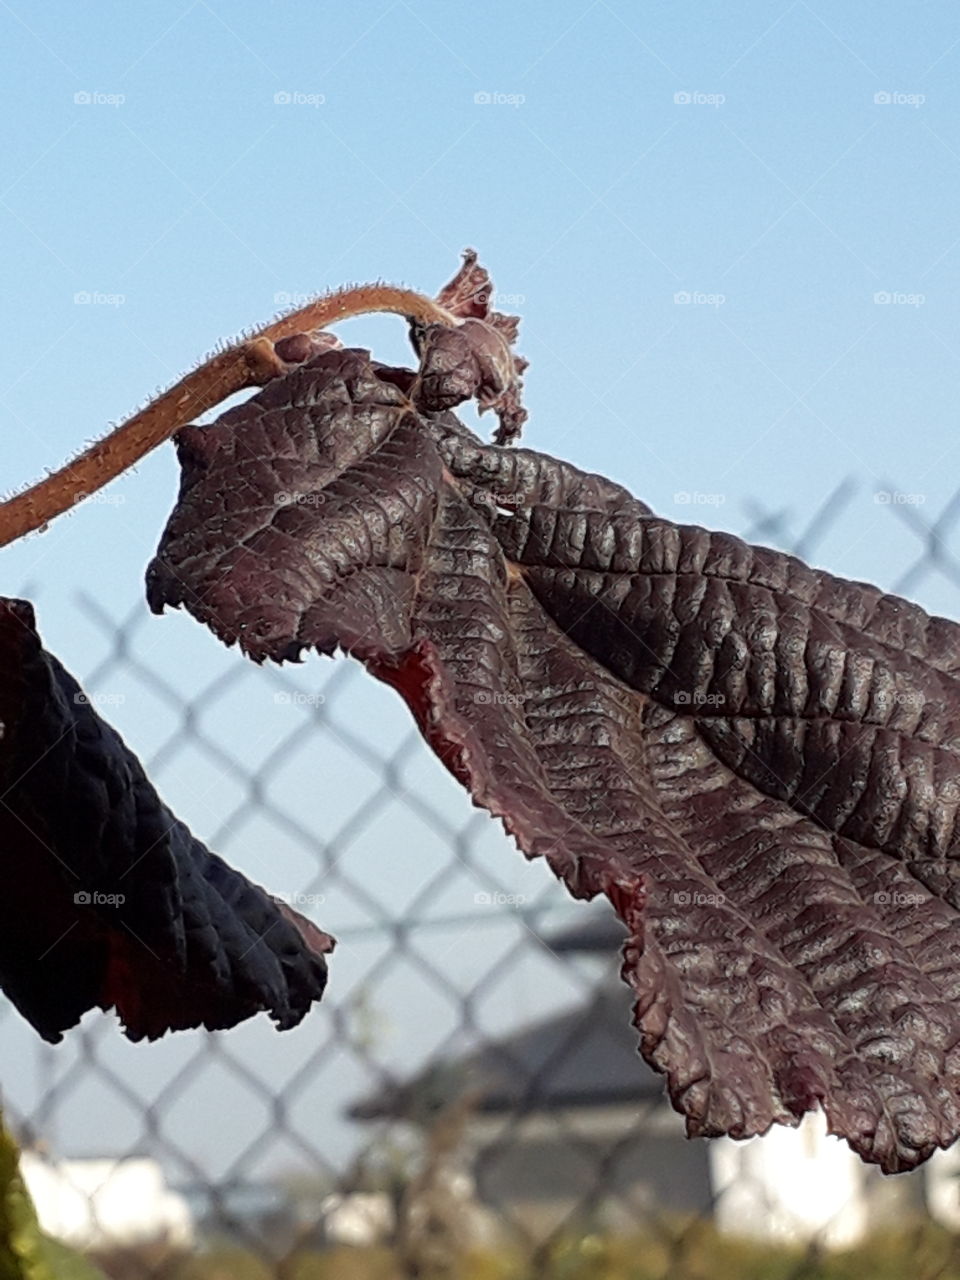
column 99, row 1203
column 791, row 1185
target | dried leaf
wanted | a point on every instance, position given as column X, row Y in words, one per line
column 757, row 763
column 475, row 358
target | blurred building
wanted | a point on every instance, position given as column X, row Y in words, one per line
column 570, row 1124
column 106, row 1204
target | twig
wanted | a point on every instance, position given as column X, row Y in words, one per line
column 249, row 363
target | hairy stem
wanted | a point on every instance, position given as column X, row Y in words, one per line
column 249, row 363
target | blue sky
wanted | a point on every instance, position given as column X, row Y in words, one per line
column 731, row 231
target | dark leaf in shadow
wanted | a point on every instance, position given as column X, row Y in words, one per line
column 108, row 899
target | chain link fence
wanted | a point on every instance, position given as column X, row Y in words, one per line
column 467, row 1100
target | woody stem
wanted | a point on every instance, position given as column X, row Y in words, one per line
column 249, row 363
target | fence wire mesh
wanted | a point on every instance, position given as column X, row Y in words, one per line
column 468, row 1099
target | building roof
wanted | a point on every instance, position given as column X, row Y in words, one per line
column 587, row 1057
column 599, row 931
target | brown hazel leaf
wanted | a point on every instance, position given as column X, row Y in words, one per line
column 758, row 764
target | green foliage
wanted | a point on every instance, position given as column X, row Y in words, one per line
column 25, row 1252
column 693, row 1252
